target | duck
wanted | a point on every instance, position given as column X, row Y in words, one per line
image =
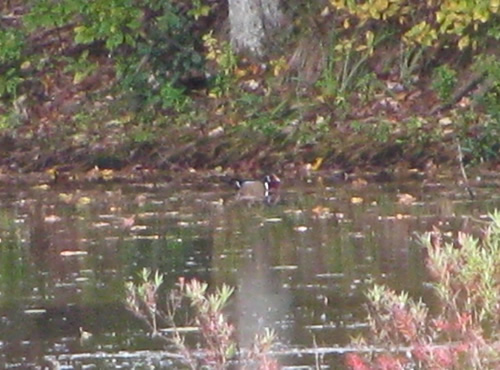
column 265, row 189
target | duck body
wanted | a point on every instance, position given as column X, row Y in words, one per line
column 254, row 190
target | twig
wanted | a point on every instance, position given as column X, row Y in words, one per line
column 462, row 170
column 316, row 355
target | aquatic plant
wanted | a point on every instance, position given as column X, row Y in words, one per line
column 465, row 333
column 206, row 313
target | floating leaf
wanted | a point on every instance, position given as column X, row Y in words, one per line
column 321, row 212
column 66, row 198
column 41, row 187
column 300, row 229
column 359, row 183
column 357, row 200
column 52, row 218
column 406, row 199
column 73, row 253
column 83, row 201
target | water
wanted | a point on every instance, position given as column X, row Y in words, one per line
column 300, row 267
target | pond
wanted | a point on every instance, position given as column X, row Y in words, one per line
column 300, row 266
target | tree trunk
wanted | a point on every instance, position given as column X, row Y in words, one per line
column 251, row 23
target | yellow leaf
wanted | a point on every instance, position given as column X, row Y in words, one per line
column 212, row 55
column 320, row 211
column 320, row 119
column 370, row 37
column 406, row 199
column 382, row 4
column 65, row 197
column 346, row 23
column 317, row 163
column 463, row 42
column 240, row 72
column 359, row 183
column 480, row 15
column 107, row 174
column 339, row 4
column 25, row 65
column 494, row 6
column 357, row 200
column 79, row 76
column 84, row 200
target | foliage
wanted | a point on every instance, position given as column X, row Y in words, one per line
column 422, row 28
column 489, row 66
column 429, row 23
column 12, row 44
column 479, row 133
column 148, row 42
column 444, row 82
column 479, row 137
column 218, row 335
column 226, row 61
column 465, row 333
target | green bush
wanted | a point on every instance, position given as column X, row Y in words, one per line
column 11, row 48
column 152, row 45
column 444, row 82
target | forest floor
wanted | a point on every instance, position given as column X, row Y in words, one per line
column 257, row 120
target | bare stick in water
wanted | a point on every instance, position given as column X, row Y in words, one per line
column 462, row 169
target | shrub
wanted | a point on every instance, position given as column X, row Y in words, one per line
column 218, row 342
column 466, row 331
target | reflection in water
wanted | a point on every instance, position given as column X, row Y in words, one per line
column 300, row 266
column 261, row 300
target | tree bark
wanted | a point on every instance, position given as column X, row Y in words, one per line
column 251, row 23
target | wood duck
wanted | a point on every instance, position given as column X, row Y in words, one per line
column 263, row 189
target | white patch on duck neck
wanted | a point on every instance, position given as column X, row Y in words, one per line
column 266, row 187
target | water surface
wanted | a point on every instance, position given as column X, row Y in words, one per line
column 300, row 266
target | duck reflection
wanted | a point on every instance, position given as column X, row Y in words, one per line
column 261, row 301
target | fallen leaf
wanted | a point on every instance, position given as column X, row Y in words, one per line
column 65, row 197
column 320, row 211
column 73, row 253
column 107, row 174
column 317, row 163
column 359, row 183
column 128, row 222
column 406, row 199
column 445, row 121
column 300, row 229
column 357, row 200
column 52, row 218
column 84, row 200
